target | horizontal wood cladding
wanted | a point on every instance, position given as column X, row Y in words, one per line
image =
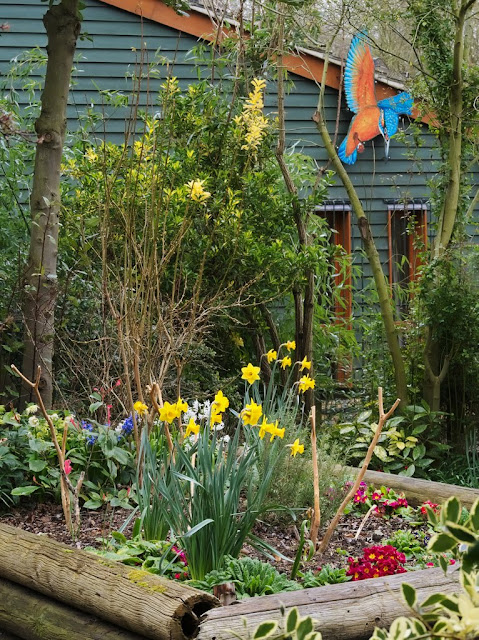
column 113, row 52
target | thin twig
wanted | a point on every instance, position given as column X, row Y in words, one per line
column 65, row 482
column 316, row 519
column 383, row 417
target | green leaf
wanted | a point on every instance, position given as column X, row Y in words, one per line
column 304, row 628
column 37, row 465
column 461, row 533
column 197, row 527
column 24, row 491
column 381, row 453
column 265, row 629
column 409, row 472
column 93, row 504
column 418, row 451
column 94, row 406
column 436, row 598
column 292, row 620
column 442, row 542
column 119, row 537
column 409, row 594
column 451, row 510
column 474, row 516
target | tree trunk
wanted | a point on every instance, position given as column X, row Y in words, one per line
column 346, row 611
column 32, row 616
column 62, row 24
column 451, row 203
column 382, row 288
column 133, row 599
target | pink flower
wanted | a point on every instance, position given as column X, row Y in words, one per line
column 108, row 414
column 429, row 564
column 67, row 467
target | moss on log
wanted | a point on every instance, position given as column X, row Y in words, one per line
column 416, row 489
column 32, row 616
column 348, row 611
column 133, row 599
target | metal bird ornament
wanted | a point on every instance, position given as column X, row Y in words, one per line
column 372, row 118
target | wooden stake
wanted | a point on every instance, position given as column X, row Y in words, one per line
column 382, row 419
column 316, row 519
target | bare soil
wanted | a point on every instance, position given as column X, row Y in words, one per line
column 96, row 526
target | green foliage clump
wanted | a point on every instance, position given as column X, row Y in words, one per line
column 408, row 445
column 29, row 462
column 251, row 578
column 160, row 557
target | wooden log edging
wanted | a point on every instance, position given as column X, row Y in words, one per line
column 347, row 611
column 416, row 490
column 32, row 616
column 154, row 607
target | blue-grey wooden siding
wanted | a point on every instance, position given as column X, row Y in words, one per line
column 117, row 37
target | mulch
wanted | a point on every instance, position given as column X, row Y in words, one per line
column 96, row 527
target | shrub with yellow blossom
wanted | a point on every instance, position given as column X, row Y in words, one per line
column 253, row 124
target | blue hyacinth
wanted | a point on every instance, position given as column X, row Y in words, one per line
column 127, row 426
column 86, row 426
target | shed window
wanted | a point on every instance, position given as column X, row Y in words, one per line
column 337, row 213
column 407, row 238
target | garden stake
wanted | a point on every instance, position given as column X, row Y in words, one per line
column 65, row 482
column 316, row 519
column 382, row 419
column 363, row 521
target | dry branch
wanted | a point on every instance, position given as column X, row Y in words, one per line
column 383, row 417
column 65, row 482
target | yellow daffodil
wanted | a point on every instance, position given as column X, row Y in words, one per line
column 265, row 428
column 237, row 339
column 275, row 432
column 305, row 364
column 168, row 412
column 197, row 192
column 250, row 373
column 252, row 413
column 271, row 355
column 192, row 428
column 221, row 402
column 181, row 406
column 306, row 383
column 296, row 448
column 140, row 408
column 290, row 345
column 285, row 362
column 215, row 418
